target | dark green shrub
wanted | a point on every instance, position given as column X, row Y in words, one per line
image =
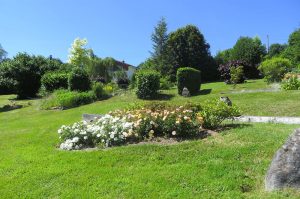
column 55, row 80
column 64, row 99
column 189, row 78
column 79, row 80
column 147, row 84
column 26, row 71
column 7, row 85
column 99, row 90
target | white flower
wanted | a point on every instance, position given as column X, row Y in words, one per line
column 59, row 131
column 112, row 135
column 85, row 137
column 75, row 139
column 173, row 132
column 125, row 134
column 98, row 135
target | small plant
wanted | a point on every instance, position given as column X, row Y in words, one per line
column 55, row 80
column 291, row 83
column 98, row 90
column 189, row 78
column 230, row 69
column 275, row 68
column 214, row 112
column 237, row 75
column 79, row 80
column 110, row 88
column 147, row 84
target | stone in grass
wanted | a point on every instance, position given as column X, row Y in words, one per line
column 226, row 100
column 284, row 171
column 185, row 92
column 90, row 117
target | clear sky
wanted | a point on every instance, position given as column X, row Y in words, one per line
column 122, row 28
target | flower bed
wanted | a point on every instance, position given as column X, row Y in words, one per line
column 134, row 125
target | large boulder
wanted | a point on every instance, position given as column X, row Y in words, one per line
column 284, row 171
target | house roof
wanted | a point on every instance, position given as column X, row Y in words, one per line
column 124, row 65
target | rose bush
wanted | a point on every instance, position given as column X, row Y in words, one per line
column 145, row 122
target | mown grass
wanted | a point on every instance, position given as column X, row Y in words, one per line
column 231, row 165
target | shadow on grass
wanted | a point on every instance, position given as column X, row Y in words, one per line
column 229, row 126
column 204, row 92
column 7, row 108
column 162, row 96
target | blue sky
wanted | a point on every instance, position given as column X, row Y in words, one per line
column 122, row 28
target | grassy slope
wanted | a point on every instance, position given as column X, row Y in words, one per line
column 231, row 165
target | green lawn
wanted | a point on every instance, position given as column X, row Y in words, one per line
column 231, row 165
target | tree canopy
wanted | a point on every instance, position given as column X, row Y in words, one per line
column 187, row 48
column 79, row 55
column 249, row 50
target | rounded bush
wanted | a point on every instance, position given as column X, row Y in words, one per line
column 79, row 80
column 55, row 80
column 189, row 78
column 275, row 68
column 147, row 84
column 98, row 90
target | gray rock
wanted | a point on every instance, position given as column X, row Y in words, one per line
column 185, row 92
column 284, row 171
column 90, row 117
column 226, row 100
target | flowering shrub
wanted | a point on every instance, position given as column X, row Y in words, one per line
column 106, row 131
column 291, row 83
column 162, row 120
column 146, row 122
column 227, row 69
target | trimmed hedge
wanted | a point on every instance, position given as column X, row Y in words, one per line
column 79, row 80
column 189, row 78
column 147, row 82
column 55, row 80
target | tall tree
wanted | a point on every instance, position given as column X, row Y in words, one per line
column 223, row 57
column 188, row 48
column 3, row 53
column 79, row 55
column 276, row 49
column 249, row 50
column 292, row 52
column 159, row 38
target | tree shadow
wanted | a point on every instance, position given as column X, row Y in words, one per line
column 163, row 96
column 203, row 92
column 8, row 107
column 229, row 126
